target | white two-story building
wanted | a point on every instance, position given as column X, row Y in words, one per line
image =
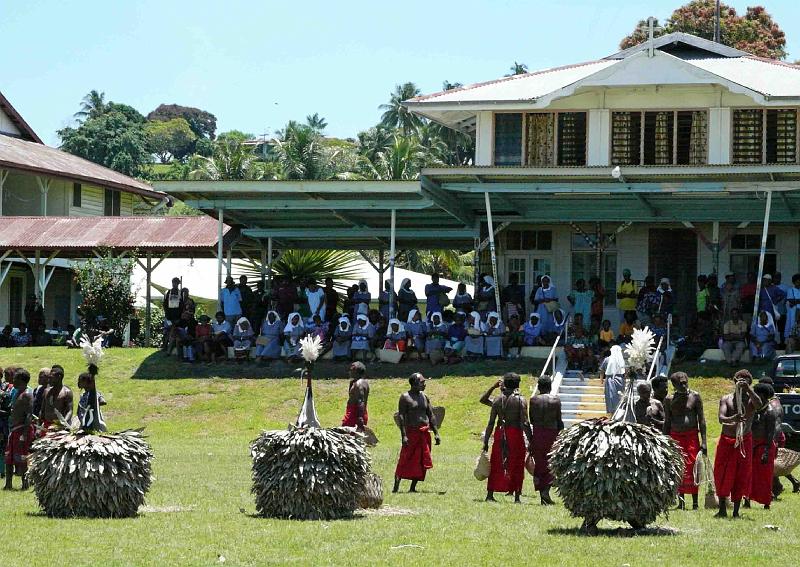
column 664, row 154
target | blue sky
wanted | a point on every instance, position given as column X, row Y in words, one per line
column 258, row 64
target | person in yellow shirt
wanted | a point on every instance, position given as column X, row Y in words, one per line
column 627, row 327
column 606, row 338
column 627, row 294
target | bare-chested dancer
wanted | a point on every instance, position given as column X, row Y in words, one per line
column 660, row 388
column 684, row 420
column 546, row 422
column 648, row 410
column 57, row 397
column 21, row 435
column 765, row 447
column 355, row 414
column 416, row 420
column 733, row 462
column 507, row 461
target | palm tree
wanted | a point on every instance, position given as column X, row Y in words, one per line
column 448, row 86
column 92, row 105
column 316, row 122
column 399, row 161
column 396, row 115
column 372, row 141
column 300, row 265
column 301, row 153
column 517, row 69
column 451, row 264
column 231, row 159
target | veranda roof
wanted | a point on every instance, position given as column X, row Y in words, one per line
column 447, row 206
column 78, row 237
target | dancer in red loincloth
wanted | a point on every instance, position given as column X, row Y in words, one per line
column 21, row 436
column 507, row 461
column 546, row 422
column 765, row 447
column 684, row 420
column 358, row 395
column 416, row 421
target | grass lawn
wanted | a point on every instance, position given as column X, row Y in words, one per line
column 200, row 421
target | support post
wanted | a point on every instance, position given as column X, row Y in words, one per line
column 715, row 247
column 263, row 265
column 492, row 251
column 380, row 271
column 269, row 263
column 148, row 299
column 391, row 262
column 761, row 255
column 3, row 177
column 476, row 260
column 219, row 257
column 598, row 251
column 44, row 188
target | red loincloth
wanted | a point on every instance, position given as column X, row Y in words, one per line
column 761, row 481
column 18, row 447
column 732, row 469
column 350, row 418
column 415, row 458
column 511, row 478
column 689, row 442
column 543, row 439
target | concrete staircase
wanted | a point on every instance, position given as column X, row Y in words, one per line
column 581, row 397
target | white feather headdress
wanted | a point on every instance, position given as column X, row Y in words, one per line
column 92, row 351
column 640, row 350
column 310, row 347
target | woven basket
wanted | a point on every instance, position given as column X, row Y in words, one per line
column 786, row 461
column 481, row 471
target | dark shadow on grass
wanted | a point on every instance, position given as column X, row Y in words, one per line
column 355, row 516
column 616, row 532
column 158, row 366
column 41, row 514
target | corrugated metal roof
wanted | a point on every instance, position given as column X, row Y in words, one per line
column 526, row 86
column 127, row 233
column 768, row 77
column 37, row 158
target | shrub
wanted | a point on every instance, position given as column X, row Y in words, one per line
column 105, row 285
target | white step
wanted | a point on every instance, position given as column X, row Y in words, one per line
column 575, row 396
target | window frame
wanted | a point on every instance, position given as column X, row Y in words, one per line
column 116, row 203
column 524, row 137
column 764, row 110
column 77, row 195
column 642, row 112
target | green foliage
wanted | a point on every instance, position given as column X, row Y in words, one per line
column 86, row 475
column 235, row 136
column 301, row 153
column 516, row 69
column 300, row 265
column 115, row 139
column 105, row 285
column 309, row 473
column 395, row 115
column 231, row 159
column 92, row 105
column 202, row 123
column 316, row 122
column 156, row 324
column 451, row 264
column 181, row 209
column 617, row 471
column 755, row 32
column 170, row 138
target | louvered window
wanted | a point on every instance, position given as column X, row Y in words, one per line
column 662, row 137
column 748, row 124
column 626, row 138
column 764, row 136
column 781, row 136
column 572, row 138
column 508, row 139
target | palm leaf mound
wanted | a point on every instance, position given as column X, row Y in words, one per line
column 617, row 471
column 91, row 475
column 308, row 473
column 372, row 495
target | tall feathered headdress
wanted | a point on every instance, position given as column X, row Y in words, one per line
column 92, row 351
column 310, row 348
column 640, row 350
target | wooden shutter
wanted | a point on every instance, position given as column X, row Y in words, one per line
column 781, row 136
column 747, row 133
column 626, row 137
column 572, row 138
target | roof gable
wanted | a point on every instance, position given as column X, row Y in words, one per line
column 24, row 130
column 683, row 45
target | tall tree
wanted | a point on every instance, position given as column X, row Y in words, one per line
column 301, row 153
column 755, row 32
column 231, row 160
column 316, row 122
column 115, row 139
column 170, row 138
column 395, row 115
column 202, row 122
column 92, row 105
column 517, row 69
